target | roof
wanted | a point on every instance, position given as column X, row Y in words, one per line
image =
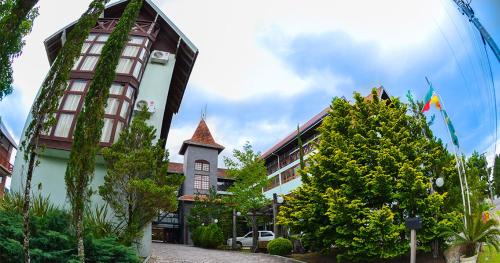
column 201, row 137
column 7, row 135
column 191, row 197
column 308, row 125
column 178, row 168
column 313, row 122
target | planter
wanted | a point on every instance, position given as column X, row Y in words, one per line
column 452, row 254
column 472, row 259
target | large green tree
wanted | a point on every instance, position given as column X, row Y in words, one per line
column 47, row 101
column 137, row 186
column 16, row 21
column 81, row 165
column 250, row 175
column 373, row 168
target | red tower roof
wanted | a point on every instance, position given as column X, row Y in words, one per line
column 201, row 137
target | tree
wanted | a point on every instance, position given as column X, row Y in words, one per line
column 16, row 21
column 47, row 101
column 373, row 169
column 250, row 175
column 137, row 186
column 81, row 165
column 208, row 208
column 496, row 175
column 477, row 177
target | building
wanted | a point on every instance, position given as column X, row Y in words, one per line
column 154, row 69
column 282, row 159
column 201, row 171
column 7, row 145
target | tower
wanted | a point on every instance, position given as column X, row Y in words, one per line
column 200, row 169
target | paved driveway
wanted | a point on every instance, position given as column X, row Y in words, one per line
column 171, row 253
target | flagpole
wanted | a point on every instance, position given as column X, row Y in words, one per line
column 457, row 160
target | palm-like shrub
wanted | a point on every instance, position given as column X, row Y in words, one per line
column 474, row 232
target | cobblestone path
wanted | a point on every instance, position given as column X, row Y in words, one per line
column 172, row 253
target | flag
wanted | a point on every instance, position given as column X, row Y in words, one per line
column 435, row 101
column 428, row 98
column 451, row 129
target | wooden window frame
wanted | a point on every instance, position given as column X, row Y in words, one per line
column 203, row 180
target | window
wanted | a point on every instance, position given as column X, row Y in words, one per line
column 103, row 38
column 202, row 165
column 96, row 49
column 201, row 182
column 89, row 63
column 131, row 51
column 63, row 125
column 106, row 130
column 137, row 69
column 124, row 66
column 266, row 234
column 249, row 235
column 136, row 40
column 71, row 103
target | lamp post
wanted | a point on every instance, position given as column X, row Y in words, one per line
column 277, row 200
column 235, row 214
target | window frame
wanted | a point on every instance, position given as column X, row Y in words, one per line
column 203, row 164
column 201, row 182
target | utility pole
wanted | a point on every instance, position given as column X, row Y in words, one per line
column 467, row 10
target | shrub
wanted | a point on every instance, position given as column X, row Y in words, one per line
column 196, row 236
column 208, row 236
column 279, row 246
column 52, row 241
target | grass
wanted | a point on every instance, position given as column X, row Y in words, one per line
column 489, row 255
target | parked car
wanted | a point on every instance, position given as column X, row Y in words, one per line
column 246, row 240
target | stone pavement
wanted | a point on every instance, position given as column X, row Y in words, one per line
column 172, row 253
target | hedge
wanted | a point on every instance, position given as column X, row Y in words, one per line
column 279, row 246
column 210, row 236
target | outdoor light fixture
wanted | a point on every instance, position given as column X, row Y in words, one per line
column 280, row 199
column 216, row 220
column 238, row 213
column 439, row 182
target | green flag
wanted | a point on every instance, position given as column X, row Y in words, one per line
column 453, row 135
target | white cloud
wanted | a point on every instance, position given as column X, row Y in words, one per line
column 234, row 65
column 259, row 134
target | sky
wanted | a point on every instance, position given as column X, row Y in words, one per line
column 266, row 66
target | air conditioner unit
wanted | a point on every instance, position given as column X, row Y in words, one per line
column 150, row 104
column 159, row 57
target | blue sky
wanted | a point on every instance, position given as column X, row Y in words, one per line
column 266, row 66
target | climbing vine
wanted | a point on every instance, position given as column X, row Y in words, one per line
column 47, row 101
column 80, row 169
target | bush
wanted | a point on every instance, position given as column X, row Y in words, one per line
column 196, row 236
column 279, row 246
column 52, row 241
column 207, row 236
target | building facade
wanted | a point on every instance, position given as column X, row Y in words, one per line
column 153, row 70
column 282, row 159
column 201, row 172
column 7, row 146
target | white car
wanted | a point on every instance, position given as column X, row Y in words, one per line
column 246, row 240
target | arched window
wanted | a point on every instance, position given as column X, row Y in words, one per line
column 202, row 165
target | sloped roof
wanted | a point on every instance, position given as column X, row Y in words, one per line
column 381, row 93
column 308, row 125
column 201, row 137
